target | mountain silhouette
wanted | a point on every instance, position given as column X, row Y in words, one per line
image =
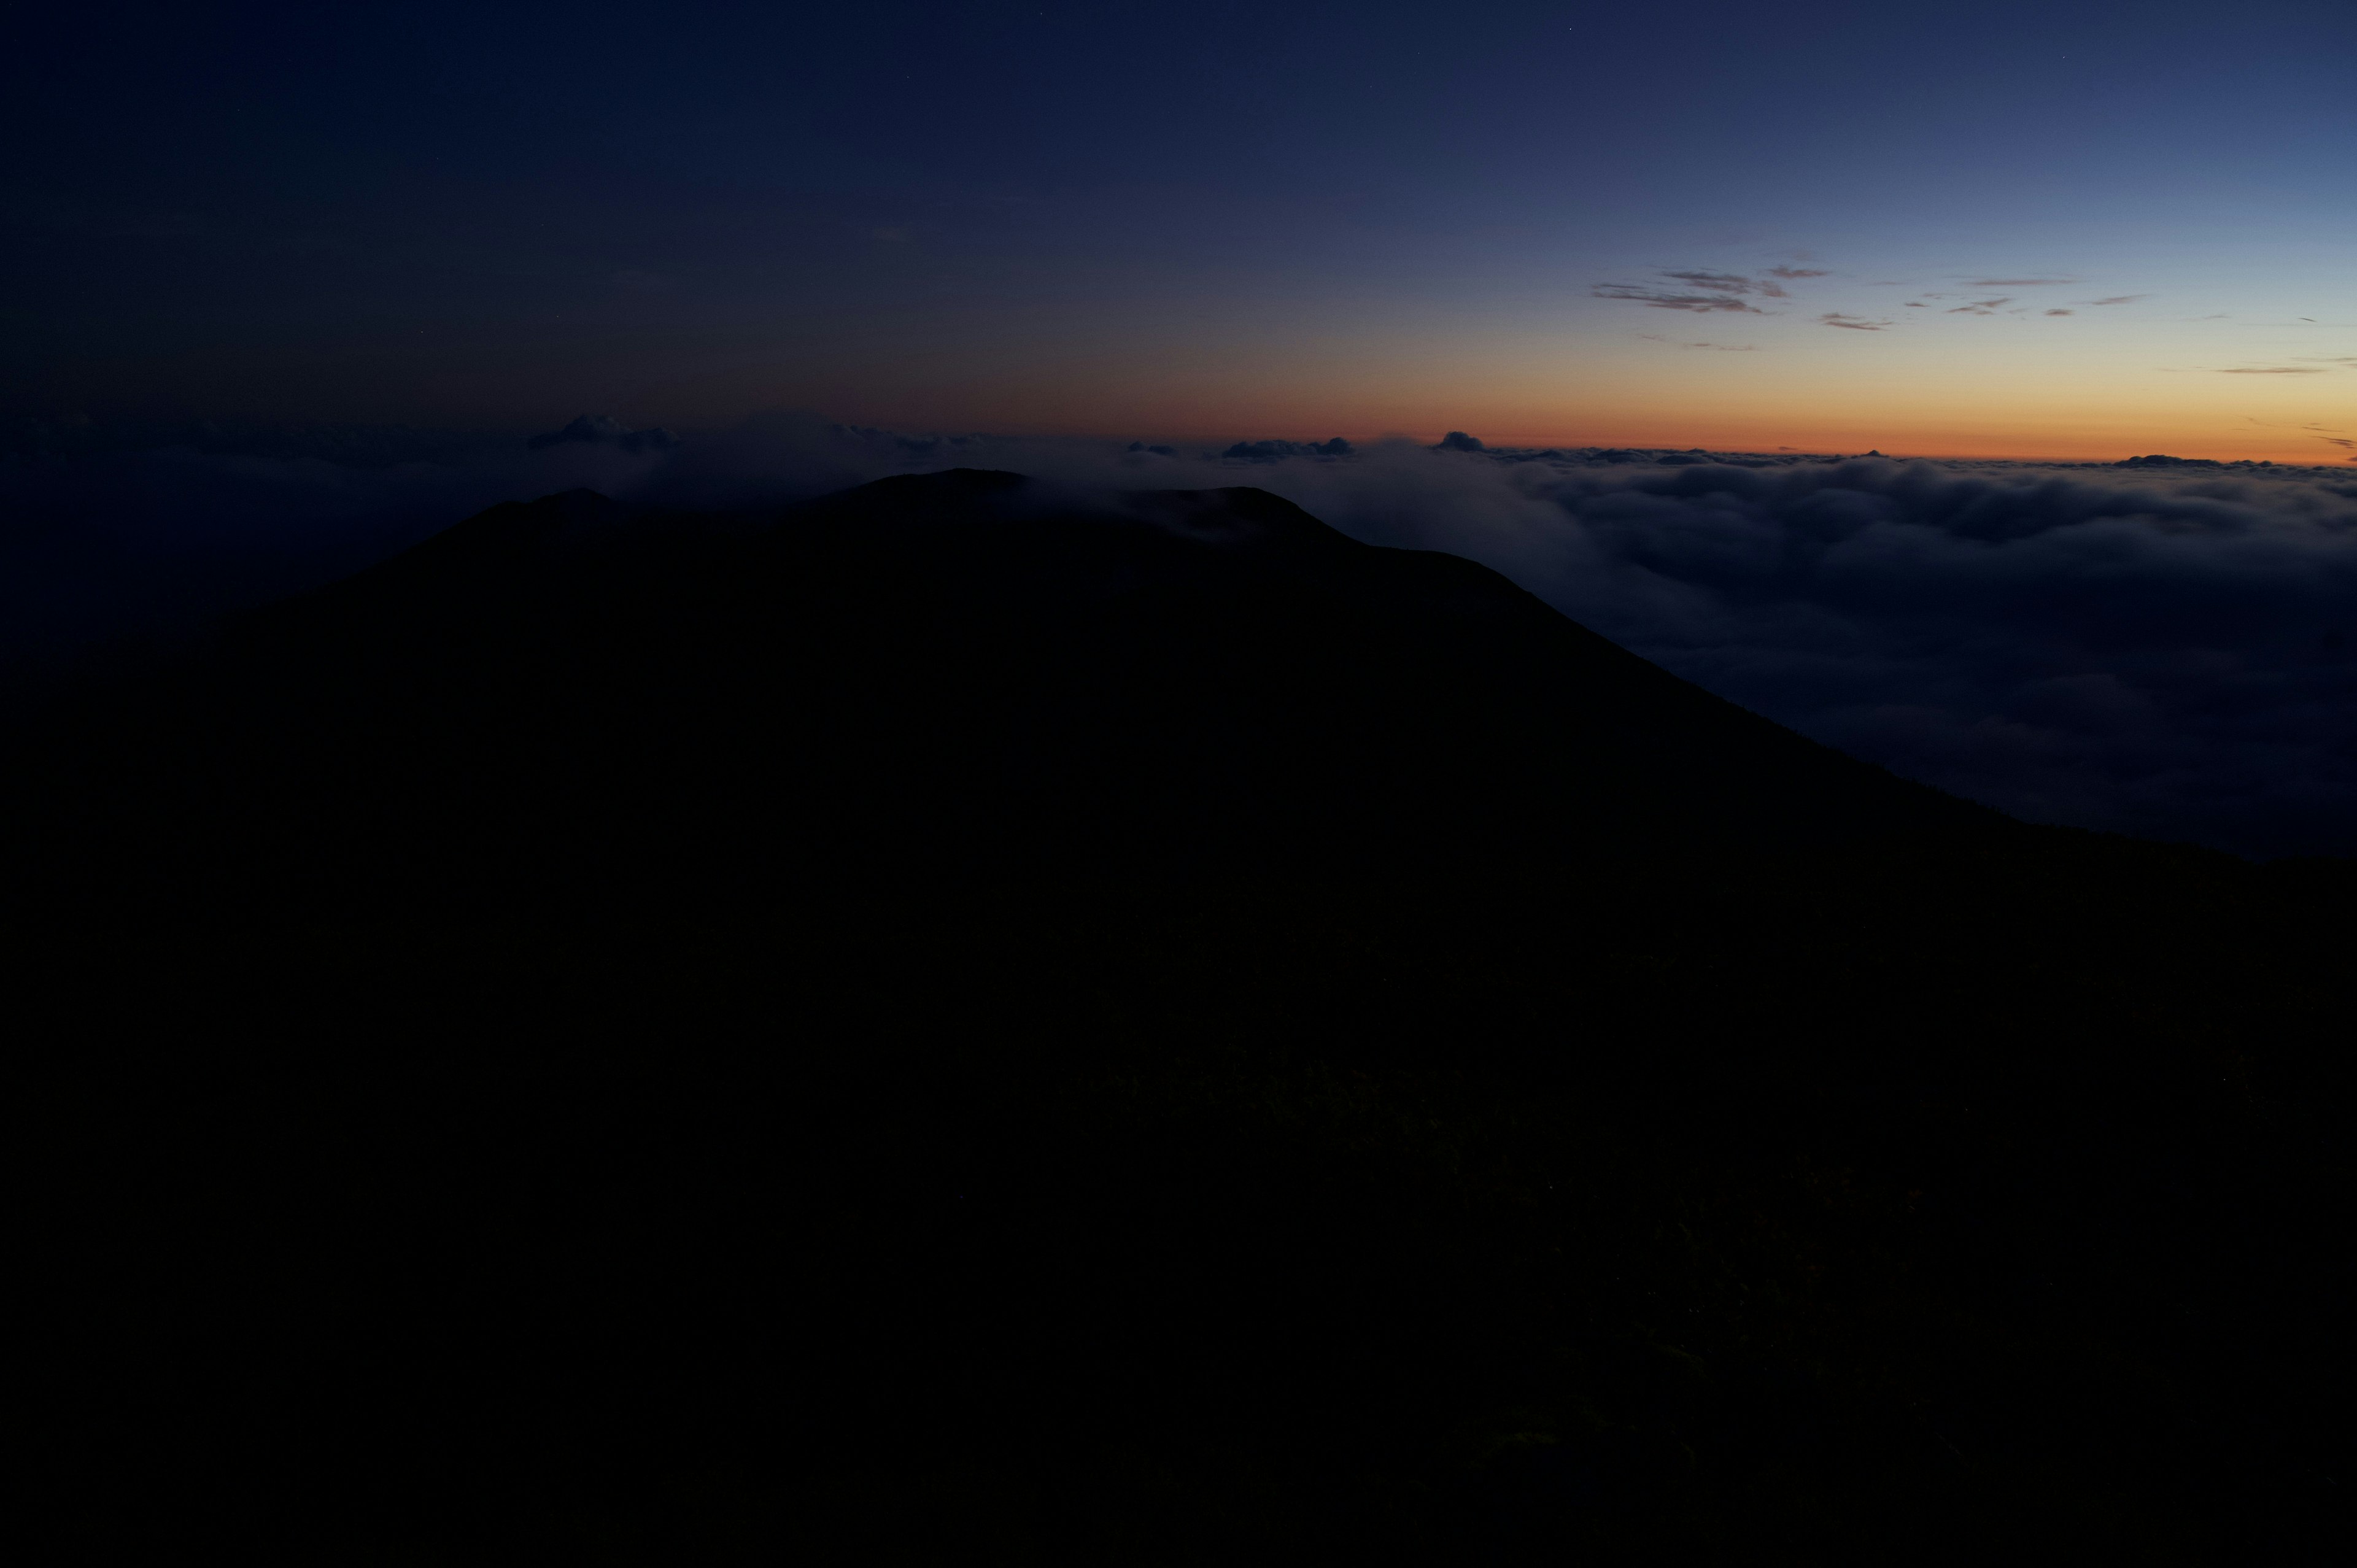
column 558, row 702
column 958, row 1021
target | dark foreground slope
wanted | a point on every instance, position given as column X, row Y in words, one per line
column 951, row 1026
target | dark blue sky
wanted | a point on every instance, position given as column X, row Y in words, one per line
column 2043, row 231
column 1299, row 218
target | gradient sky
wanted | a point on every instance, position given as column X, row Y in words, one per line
column 2020, row 230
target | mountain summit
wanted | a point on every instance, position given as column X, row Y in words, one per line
column 562, row 702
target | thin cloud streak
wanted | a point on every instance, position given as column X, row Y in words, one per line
column 1721, row 291
column 1726, row 282
column 1660, row 299
column 1722, row 348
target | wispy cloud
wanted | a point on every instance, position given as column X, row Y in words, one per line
column 1707, row 289
column 1856, row 323
column 2061, row 313
column 2018, row 283
column 1981, row 306
column 1663, row 299
column 2120, row 300
column 2311, row 425
column 2271, row 371
column 1726, row 282
column 1722, row 348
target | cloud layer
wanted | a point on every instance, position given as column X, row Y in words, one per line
column 2167, row 649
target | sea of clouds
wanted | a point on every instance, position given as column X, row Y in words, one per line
column 2164, row 651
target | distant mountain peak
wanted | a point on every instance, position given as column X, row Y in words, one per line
column 605, row 430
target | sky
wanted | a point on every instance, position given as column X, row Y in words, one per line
column 1878, row 293
column 2053, row 231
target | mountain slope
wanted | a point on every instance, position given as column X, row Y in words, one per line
column 983, row 1028
column 555, row 702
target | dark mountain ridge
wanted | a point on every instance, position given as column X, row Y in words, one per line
column 966, row 1022
column 944, row 670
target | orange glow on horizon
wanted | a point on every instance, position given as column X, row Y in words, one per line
column 2093, row 399
column 2082, row 423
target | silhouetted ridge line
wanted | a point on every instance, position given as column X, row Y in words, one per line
column 962, row 672
column 957, row 675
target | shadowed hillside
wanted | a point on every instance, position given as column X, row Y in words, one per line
column 969, row 1024
column 939, row 676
